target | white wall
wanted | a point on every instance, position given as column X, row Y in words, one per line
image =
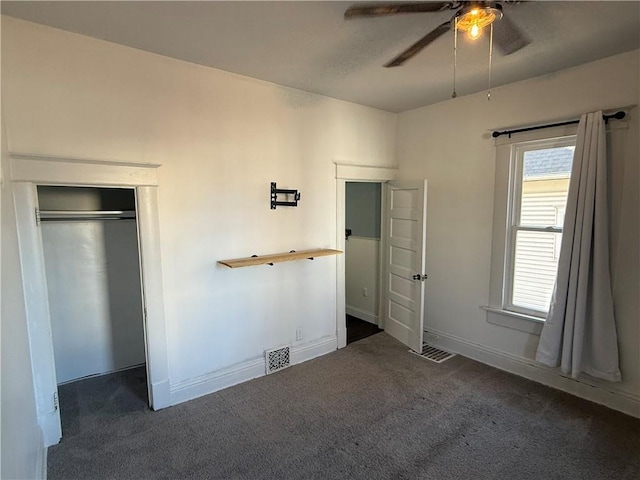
column 362, row 272
column 450, row 144
column 221, row 140
column 22, row 453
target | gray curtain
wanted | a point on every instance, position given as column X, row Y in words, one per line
column 579, row 334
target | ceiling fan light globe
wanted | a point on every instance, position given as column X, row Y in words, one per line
column 474, row 32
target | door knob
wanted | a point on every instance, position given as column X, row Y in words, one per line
column 419, row 276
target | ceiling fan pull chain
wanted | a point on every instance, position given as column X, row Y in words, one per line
column 490, row 59
column 455, row 55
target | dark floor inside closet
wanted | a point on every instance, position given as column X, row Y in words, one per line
column 358, row 329
column 87, row 403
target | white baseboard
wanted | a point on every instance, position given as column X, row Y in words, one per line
column 361, row 314
column 242, row 372
column 218, row 380
column 51, row 428
column 161, row 395
column 608, row 396
column 302, row 353
column 41, row 466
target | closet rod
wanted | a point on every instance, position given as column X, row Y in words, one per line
column 618, row 116
column 46, row 215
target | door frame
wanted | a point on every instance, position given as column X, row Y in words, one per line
column 27, row 172
column 354, row 173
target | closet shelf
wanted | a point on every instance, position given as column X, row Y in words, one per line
column 278, row 257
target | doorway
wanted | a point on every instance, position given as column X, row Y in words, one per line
column 27, row 172
column 352, row 173
column 92, row 266
column 401, row 302
column 363, row 215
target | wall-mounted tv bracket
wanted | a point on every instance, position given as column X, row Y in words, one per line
column 280, row 191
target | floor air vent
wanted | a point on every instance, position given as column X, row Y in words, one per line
column 434, row 354
column 277, row 359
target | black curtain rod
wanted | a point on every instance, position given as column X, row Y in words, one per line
column 618, row 116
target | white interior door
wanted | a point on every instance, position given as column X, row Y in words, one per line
column 405, row 230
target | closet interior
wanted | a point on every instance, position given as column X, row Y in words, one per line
column 90, row 245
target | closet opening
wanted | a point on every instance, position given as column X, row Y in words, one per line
column 93, row 276
column 363, row 216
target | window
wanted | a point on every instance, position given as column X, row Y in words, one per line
column 532, row 174
column 540, row 171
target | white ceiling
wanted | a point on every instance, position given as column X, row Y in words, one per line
column 307, row 45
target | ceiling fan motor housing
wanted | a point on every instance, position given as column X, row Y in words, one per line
column 479, row 14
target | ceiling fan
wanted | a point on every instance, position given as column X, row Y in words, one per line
column 470, row 16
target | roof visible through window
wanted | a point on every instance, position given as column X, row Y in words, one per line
column 549, row 162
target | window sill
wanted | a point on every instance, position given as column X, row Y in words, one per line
column 514, row 320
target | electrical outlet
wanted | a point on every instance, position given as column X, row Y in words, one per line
column 299, row 335
column 365, row 292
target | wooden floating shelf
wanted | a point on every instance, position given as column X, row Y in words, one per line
column 278, row 257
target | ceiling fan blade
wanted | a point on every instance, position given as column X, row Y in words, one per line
column 419, row 45
column 508, row 37
column 384, row 9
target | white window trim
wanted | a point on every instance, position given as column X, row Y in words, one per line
column 514, row 320
column 529, row 322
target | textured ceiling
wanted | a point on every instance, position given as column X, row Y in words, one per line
column 308, row 45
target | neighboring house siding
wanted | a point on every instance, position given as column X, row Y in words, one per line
column 537, row 252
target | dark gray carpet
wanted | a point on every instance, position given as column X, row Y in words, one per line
column 369, row 411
